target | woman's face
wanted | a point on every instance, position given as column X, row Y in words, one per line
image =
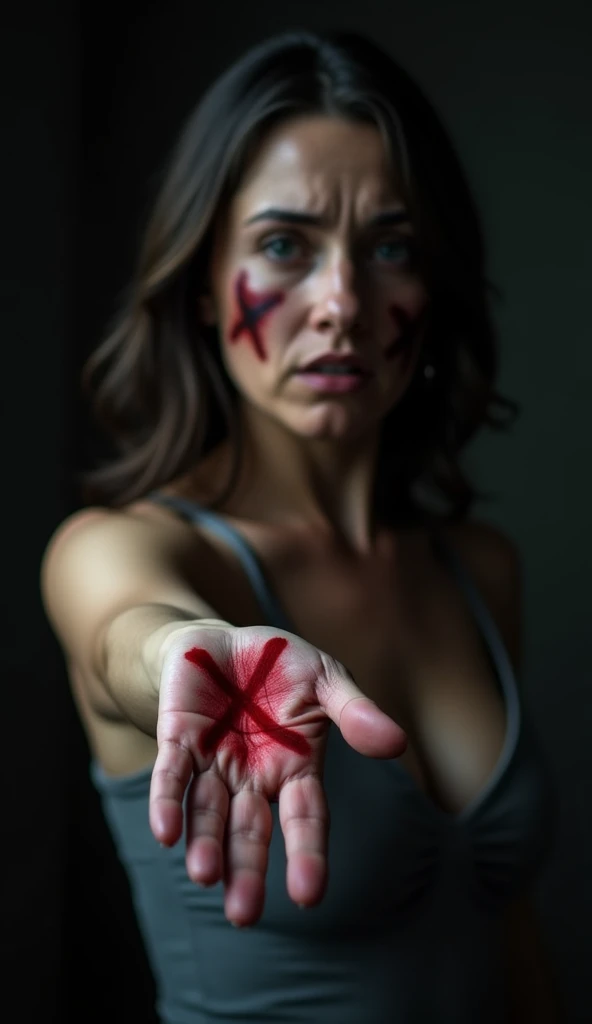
column 313, row 263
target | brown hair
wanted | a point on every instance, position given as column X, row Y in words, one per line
column 157, row 384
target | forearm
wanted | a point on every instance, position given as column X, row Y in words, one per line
column 132, row 648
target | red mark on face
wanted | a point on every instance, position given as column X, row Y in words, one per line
column 404, row 344
column 243, row 723
column 253, row 308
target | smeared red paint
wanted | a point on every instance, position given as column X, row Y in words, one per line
column 253, row 307
column 402, row 347
column 237, row 703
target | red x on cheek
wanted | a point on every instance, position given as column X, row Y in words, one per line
column 246, row 704
column 253, row 308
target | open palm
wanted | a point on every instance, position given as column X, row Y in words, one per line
column 243, row 721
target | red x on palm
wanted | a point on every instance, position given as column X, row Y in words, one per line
column 243, row 706
column 264, row 725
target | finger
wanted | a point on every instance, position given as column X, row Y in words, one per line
column 362, row 724
column 248, row 836
column 206, row 811
column 170, row 777
column 304, row 818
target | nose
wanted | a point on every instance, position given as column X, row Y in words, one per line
column 337, row 305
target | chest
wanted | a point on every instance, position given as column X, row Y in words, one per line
column 406, row 632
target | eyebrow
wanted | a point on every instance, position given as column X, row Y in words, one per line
column 388, row 218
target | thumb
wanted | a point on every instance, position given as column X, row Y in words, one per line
column 361, row 722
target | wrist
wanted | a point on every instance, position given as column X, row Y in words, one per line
column 158, row 644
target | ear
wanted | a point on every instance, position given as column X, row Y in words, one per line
column 207, row 310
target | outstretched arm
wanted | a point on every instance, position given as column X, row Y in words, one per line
column 240, row 714
column 113, row 588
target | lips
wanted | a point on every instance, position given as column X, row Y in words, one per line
column 332, row 360
column 335, row 374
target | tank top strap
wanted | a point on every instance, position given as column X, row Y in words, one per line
column 193, row 512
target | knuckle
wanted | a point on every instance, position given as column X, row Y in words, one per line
column 210, row 816
column 333, row 670
column 247, row 834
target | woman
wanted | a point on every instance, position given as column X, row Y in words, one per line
column 276, row 607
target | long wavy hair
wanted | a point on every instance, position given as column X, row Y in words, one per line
column 157, row 386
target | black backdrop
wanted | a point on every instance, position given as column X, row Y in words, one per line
column 92, row 97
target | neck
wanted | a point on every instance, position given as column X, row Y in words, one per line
column 321, row 484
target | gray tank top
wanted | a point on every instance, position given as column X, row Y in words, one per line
column 409, row 930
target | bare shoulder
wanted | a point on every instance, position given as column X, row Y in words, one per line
column 493, row 560
column 98, row 531
column 101, row 561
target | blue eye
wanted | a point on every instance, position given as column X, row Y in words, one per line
column 395, row 251
column 282, row 247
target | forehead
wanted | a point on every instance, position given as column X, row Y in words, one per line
column 318, row 164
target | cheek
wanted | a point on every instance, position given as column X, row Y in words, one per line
column 252, row 310
column 406, row 321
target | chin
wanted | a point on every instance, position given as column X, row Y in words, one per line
column 332, row 424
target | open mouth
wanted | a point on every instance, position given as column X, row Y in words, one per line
column 335, row 370
column 334, row 378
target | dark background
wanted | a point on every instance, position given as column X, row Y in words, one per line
column 92, row 98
